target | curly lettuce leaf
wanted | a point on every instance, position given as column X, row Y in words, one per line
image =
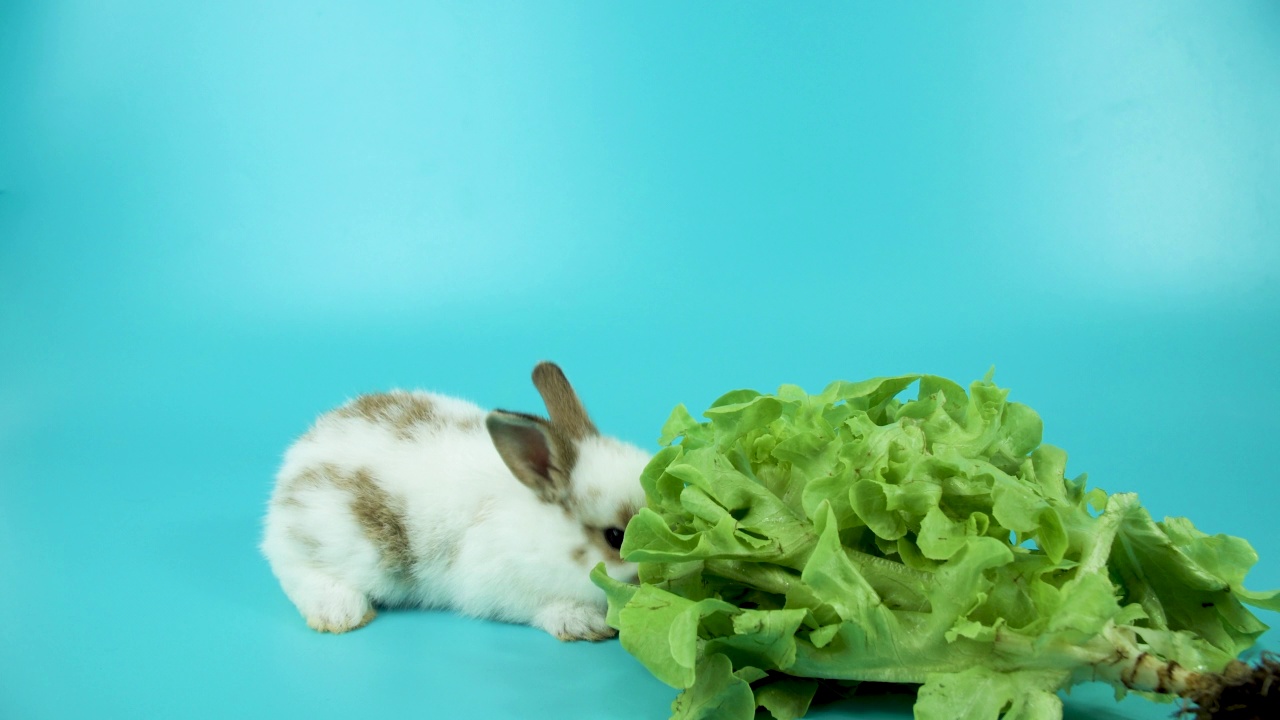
column 791, row 540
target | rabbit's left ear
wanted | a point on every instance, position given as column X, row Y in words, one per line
column 567, row 413
column 534, row 452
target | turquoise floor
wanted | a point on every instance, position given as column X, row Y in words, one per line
column 220, row 219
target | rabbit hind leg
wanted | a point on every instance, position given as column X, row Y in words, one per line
column 328, row 604
column 326, row 593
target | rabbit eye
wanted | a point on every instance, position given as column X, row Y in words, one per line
column 613, row 536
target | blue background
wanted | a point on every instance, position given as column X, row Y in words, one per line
column 220, row 219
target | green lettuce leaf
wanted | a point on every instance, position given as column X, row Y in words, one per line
column 794, row 540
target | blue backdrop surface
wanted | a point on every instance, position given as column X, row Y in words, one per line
column 218, row 220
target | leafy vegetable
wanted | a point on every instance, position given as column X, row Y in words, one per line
column 796, row 540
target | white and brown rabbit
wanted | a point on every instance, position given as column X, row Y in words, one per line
column 417, row 499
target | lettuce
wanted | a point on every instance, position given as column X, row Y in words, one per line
column 792, row 541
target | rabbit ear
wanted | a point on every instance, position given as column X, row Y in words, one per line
column 535, row 453
column 566, row 410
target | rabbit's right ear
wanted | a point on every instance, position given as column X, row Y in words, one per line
column 534, row 452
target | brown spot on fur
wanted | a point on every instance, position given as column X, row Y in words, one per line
column 563, row 406
column 401, row 411
column 625, row 513
column 286, row 494
column 580, row 554
column 310, row 478
column 379, row 515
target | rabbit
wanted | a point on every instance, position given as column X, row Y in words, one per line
column 419, row 499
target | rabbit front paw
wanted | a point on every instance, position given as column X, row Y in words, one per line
column 574, row 621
